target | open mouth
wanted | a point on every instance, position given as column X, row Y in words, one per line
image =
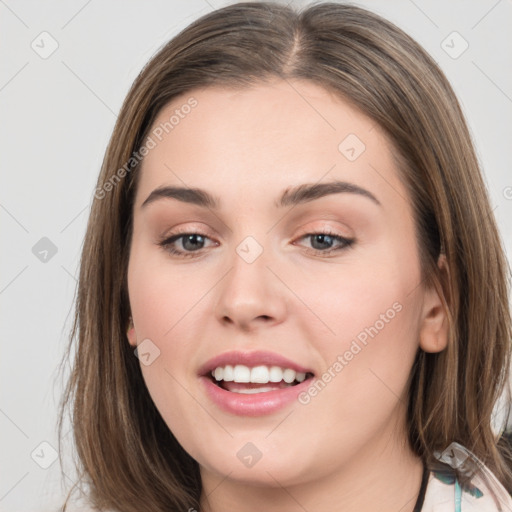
column 258, row 379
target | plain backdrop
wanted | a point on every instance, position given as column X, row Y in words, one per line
column 65, row 70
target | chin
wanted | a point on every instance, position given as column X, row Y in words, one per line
column 259, row 462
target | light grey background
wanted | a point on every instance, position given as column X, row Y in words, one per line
column 57, row 114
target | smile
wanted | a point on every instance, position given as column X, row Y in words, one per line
column 253, row 383
column 259, row 379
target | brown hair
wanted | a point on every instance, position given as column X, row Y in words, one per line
column 127, row 455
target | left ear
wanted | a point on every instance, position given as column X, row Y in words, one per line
column 434, row 327
column 130, row 334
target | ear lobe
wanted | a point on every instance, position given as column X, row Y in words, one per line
column 131, row 335
column 434, row 328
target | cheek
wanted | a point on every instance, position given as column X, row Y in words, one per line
column 363, row 386
column 161, row 295
column 372, row 336
column 162, row 303
column 165, row 302
column 356, row 299
column 175, row 399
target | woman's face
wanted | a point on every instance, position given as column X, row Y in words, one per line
column 238, row 185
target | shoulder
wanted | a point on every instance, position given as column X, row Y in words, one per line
column 444, row 493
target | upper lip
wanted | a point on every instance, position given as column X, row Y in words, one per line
column 251, row 359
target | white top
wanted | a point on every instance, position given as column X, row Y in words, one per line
column 445, row 494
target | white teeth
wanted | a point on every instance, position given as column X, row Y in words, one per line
column 242, row 373
column 253, row 391
column 276, row 374
column 300, row 377
column 229, row 374
column 258, row 374
column 289, row 375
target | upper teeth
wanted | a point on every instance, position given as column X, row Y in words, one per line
column 257, row 374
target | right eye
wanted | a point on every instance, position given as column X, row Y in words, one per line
column 191, row 243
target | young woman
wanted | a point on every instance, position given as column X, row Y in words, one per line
column 293, row 294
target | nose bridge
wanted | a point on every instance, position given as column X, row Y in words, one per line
column 249, row 274
column 249, row 291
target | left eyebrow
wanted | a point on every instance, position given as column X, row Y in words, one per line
column 290, row 197
column 310, row 192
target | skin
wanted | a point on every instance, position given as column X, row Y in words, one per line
column 346, row 449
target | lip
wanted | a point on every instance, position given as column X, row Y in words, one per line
column 253, row 404
column 254, row 358
column 257, row 404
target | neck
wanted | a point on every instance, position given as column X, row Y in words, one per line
column 386, row 475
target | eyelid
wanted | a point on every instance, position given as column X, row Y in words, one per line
column 180, row 230
column 204, row 231
column 338, row 231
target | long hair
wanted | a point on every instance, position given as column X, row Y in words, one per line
column 127, row 456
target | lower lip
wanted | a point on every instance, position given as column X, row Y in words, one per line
column 256, row 404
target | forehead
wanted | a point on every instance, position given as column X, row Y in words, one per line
column 262, row 139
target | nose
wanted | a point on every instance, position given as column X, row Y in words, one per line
column 250, row 295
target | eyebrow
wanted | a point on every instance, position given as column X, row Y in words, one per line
column 290, row 197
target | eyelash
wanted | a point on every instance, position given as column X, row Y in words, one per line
column 167, row 242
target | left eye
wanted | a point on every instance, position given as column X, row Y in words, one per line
column 193, row 242
column 323, row 239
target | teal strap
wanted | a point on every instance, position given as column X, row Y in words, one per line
column 458, row 496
